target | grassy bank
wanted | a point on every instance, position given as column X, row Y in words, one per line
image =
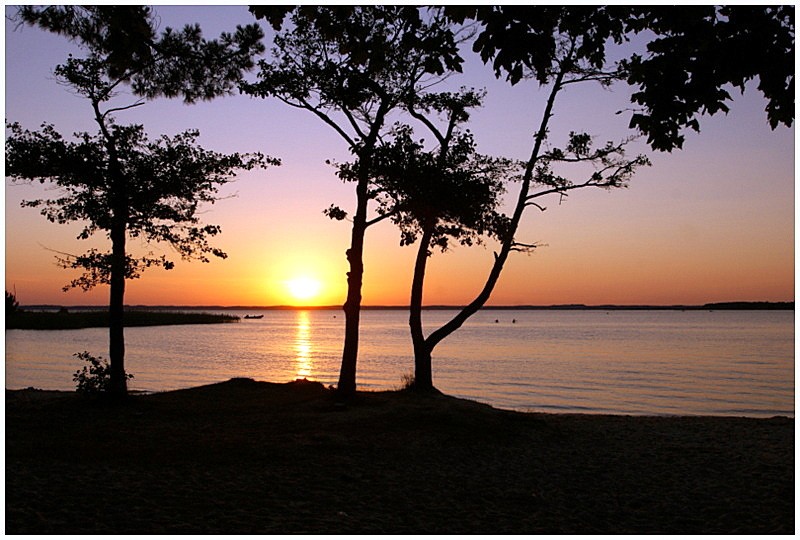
column 261, row 458
column 39, row 320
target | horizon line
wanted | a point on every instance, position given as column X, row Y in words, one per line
column 577, row 306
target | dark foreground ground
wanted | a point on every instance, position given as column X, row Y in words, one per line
column 248, row 457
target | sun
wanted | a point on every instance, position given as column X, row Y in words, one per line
column 303, row 288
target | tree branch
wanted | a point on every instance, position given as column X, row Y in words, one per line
column 322, row 116
column 117, row 109
column 380, row 218
column 524, row 248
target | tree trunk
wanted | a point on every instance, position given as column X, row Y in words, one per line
column 423, row 373
column 352, row 306
column 355, row 257
column 508, row 242
column 116, row 327
column 118, row 233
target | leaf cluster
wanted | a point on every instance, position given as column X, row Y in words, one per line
column 163, row 183
column 693, row 53
column 697, row 52
column 523, row 41
column 123, row 40
column 608, row 165
column 453, row 195
column 96, row 267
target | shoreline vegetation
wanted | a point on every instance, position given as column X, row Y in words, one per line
column 74, row 320
column 52, row 317
column 721, row 306
column 265, row 458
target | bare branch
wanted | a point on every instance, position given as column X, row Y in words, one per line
column 431, row 127
column 525, row 248
column 303, row 104
column 380, row 218
column 117, row 109
column 540, row 207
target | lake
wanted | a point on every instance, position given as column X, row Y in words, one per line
column 587, row 361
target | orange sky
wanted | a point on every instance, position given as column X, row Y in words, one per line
column 714, row 222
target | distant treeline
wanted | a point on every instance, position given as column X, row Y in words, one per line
column 65, row 320
column 751, row 305
column 604, row 307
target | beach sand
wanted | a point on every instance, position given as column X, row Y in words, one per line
column 252, row 457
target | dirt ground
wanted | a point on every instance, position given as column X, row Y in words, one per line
column 264, row 458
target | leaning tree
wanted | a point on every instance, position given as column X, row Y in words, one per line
column 692, row 55
column 117, row 181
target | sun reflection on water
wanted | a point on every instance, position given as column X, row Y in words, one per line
column 303, row 362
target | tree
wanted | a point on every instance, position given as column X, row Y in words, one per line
column 561, row 46
column 117, row 180
column 120, row 183
column 568, row 64
column 352, row 67
column 438, row 197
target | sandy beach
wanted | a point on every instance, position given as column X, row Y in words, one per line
column 264, row 458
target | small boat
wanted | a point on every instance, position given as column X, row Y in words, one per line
column 253, row 316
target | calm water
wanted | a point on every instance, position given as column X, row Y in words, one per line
column 628, row 362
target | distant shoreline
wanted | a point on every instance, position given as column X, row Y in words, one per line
column 77, row 319
column 721, row 306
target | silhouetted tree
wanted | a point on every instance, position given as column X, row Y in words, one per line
column 439, row 196
column 117, row 180
column 562, row 46
column 352, row 67
column 119, row 183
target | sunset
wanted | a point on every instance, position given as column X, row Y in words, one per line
column 711, row 222
column 399, row 269
column 304, row 288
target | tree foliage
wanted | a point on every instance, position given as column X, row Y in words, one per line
column 174, row 63
column 361, row 62
column 693, row 54
column 701, row 51
column 166, row 181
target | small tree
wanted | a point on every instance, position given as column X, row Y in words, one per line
column 120, row 183
column 571, row 60
column 116, row 180
column 95, row 378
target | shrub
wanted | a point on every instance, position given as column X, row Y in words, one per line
column 96, row 377
column 407, row 381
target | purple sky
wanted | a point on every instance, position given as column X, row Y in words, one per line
column 713, row 222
